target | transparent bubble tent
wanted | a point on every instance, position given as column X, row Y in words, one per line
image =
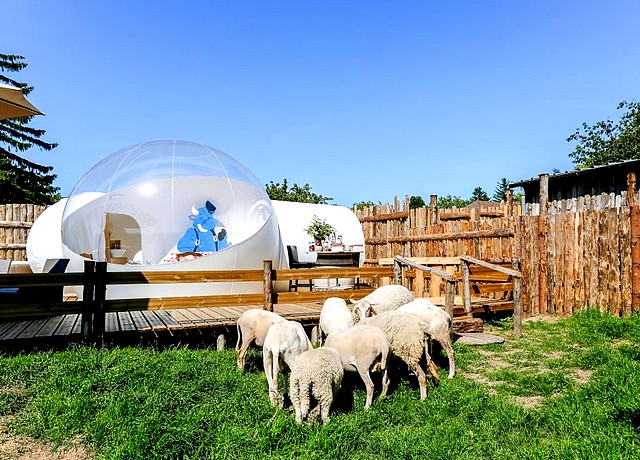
column 164, row 204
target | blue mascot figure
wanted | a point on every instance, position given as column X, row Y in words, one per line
column 206, row 233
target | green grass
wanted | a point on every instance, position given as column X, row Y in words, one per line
column 566, row 389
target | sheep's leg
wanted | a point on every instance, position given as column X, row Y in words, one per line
column 446, row 344
column 304, row 402
column 324, row 404
column 385, row 382
column 242, row 352
column 268, row 360
column 422, row 380
column 432, row 368
column 368, row 383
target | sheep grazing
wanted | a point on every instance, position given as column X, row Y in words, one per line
column 439, row 326
column 284, row 342
column 363, row 349
column 384, row 298
column 408, row 339
column 252, row 327
column 316, row 375
column 335, row 316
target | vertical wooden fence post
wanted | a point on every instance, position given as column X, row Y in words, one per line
column 634, row 217
column 542, row 242
column 517, row 302
column 397, row 272
column 86, row 326
column 449, row 296
column 433, row 210
column 466, row 290
column 99, row 306
column 267, row 273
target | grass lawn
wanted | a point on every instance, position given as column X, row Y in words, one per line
column 567, row 389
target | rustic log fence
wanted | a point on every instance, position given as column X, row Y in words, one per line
column 573, row 253
column 15, row 222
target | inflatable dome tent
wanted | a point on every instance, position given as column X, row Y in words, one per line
column 161, row 205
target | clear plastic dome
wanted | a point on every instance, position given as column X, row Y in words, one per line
column 168, row 201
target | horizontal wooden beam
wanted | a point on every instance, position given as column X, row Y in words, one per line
column 497, row 268
column 383, row 217
column 9, row 224
column 501, row 233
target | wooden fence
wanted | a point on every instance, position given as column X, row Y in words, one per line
column 573, row 254
column 15, row 222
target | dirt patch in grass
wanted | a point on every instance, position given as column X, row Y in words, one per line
column 16, row 447
column 530, row 402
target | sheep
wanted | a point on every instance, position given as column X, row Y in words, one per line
column 363, row 349
column 317, row 374
column 282, row 345
column 252, row 326
column 384, row 298
column 408, row 338
column 439, row 323
column 334, row 316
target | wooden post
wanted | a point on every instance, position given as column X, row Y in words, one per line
column 509, row 203
column 397, row 272
column 466, row 290
column 449, row 296
column 267, row 284
column 517, row 302
column 542, row 242
column 87, row 300
column 99, row 307
column 634, row 217
column 433, row 210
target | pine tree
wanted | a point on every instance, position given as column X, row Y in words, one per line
column 502, row 188
column 22, row 181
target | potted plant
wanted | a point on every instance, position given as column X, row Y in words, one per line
column 320, row 230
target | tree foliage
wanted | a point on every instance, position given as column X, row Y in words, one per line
column 449, row 201
column 300, row 194
column 365, row 204
column 479, row 195
column 608, row 141
column 502, row 188
column 22, row 181
column 416, row 201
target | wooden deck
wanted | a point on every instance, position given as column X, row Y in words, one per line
column 149, row 324
column 213, row 324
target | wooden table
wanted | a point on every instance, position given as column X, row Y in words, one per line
column 338, row 258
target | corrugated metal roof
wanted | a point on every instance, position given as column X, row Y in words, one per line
column 576, row 172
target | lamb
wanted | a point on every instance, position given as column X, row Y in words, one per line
column 317, row 373
column 335, row 316
column 439, row 323
column 284, row 342
column 384, row 298
column 363, row 349
column 252, row 326
column 408, row 338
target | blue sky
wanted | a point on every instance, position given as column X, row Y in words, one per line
column 363, row 100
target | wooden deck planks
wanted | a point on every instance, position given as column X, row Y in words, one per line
column 170, row 322
column 67, row 324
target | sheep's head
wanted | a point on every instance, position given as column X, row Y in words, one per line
column 361, row 309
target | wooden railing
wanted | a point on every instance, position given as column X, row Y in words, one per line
column 96, row 279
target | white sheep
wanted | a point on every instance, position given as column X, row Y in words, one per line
column 335, row 316
column 252, row 326
column 316, row 375
column 363, row 349
column 439, row 323
column 408, row 339
column 284, row 342
column 384, row 298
